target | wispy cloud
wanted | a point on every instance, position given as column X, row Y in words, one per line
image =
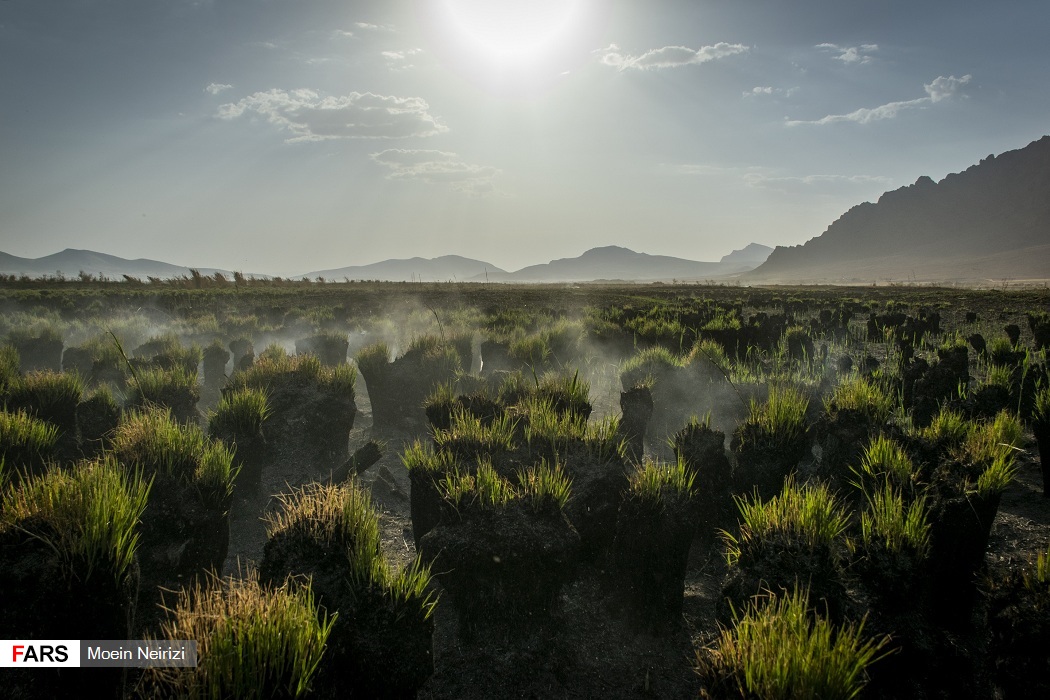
column 851, row 54
column 311, row 117
column 811, row 182
column 768, row 90
column 216, row 88
column 370, row 27
column 941, row 88
column 772, row 179
column 668, row 56
column 437, row 167
column 400, row 60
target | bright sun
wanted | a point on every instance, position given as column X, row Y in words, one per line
column 512, row 33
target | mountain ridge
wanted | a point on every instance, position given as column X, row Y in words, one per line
column 998, row 205
column 601, row 263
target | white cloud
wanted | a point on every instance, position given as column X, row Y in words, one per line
column 216, row 88
column 437, row 167
column 940, row 89
column 668, row 56
column 343, row 33
column 851, row 54
column 311, row 117
column 400, row 60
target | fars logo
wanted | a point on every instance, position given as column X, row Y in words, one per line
column 39, row 653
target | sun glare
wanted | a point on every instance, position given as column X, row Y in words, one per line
column 512, row 33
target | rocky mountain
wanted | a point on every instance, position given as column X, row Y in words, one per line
column 447, row 268
column 989, row 222
column 71, row 262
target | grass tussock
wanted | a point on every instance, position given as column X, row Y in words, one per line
column 154, row 441
column 274, row 368
column 25, row 441
column 778, row 649
column 175, row 387
column 337, row 517
column 884, row 459
column 861, row 396
column 653, row 481
column 891, row 525
column 240, row 412
column 648, row 364
column 1041, row 408
column 809, row 517
column 1037, row 578
column 88, row 515
column 482, row 489
column 778, row 422
column 422, row 457
column 373, row 359
column 948, row 428
column 545, row 485
column 470, row 435
column 46, row 392
column 252, row 642
column 991, row 449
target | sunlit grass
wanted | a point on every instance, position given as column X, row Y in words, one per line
column 240, row 412
column 891, row 525
column 778, row 649
column 809, row 516
column 861, row 396
column 545, row 485
column 252, row 642
column 780, row 421
column 25, row 441
column 470, row 435
column 87, row 515
column 338, row 517
column 152, row 440
column 652, row 481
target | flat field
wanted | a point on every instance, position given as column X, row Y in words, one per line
column 609, row 482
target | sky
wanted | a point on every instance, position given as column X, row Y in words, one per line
column 287, row 136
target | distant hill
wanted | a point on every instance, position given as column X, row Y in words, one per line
column 608, row 263
column 443, row 269
column 989, row 222
column 71, row 262
column 616, row 263
column 751, row 255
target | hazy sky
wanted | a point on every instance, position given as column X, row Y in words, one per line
column 284, row 136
